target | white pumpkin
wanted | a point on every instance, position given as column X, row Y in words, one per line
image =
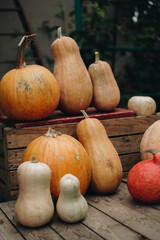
column 142, row 105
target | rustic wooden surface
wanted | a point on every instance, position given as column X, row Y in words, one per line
column 125, row 133
column 113, row 217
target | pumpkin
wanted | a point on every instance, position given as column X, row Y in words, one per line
column 34, row 206
column 63, row 154
column 71, row 205
column 143, row 179
column 150, row 139
column 29, row 92
column 105, row 162
column 71, row 73
column 142, row 105
column 106, row 93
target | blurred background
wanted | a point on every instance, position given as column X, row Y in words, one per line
column 126, row 34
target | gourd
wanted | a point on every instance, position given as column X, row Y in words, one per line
column 150, row 139
column 142, row 105
column 34, row 206
column 106, row 93
column 143, row 180
column 71, row 73
column 106, row 165
column 28, row 92
column 63, row 154
column 71, row 205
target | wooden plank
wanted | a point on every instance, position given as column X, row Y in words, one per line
column 44, row 232
column 140, row 223
column 127, row 144
column 74, row 231
column 17, row 138
column 7, row 230
column 107, row 227
column 56, row 229
column 122, row 195
column 129, row 160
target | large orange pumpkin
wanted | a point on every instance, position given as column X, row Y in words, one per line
column 63, row 154
column 28, row 92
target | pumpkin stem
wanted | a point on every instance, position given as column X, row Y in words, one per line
column 52, row 133
column 150, row 150
column 34, row 160
column 84, row 114
column 59, row 32
column 96, row 56
column 26, row 40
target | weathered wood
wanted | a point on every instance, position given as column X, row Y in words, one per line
column 114, row 217
column 44, row 232
column 17, row 138
column 7, row 230
column 129, row 217
column 122, row 195
column 107, row 227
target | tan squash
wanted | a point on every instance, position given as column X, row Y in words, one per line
column 106, row 93
column 150, row 139
column 71, row 73
column 142, row 105
column 34, row 206
column 106, row 164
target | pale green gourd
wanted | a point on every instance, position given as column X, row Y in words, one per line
column 71, row 205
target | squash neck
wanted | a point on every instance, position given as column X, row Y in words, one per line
column 26, row 40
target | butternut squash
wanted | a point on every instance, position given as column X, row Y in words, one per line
column 34, row 206
column 76, row 89
column 106, row 165
column 106, row 93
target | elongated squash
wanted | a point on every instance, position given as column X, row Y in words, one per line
column 105, row 162
column 106, row 93
column 76, row 89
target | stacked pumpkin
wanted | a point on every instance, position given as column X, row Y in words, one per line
column 56, row 162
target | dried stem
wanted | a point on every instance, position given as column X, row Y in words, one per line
column 26, row 40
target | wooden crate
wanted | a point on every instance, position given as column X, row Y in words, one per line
column 124, row 132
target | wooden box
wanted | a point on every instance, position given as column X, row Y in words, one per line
column 124, row 130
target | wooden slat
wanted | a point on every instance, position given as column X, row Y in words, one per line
column 57, row 229
column 122, row 195
column 17, row 138
column 127, row 144
column 129, row 217
column 107, row 227
column 7, row 230
column 44, row 232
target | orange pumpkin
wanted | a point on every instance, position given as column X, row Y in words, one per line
column 28, row 92
column 63, row 154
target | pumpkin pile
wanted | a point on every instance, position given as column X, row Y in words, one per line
column 57, row 168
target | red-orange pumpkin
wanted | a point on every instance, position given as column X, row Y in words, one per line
column 63, row 154
column 28, row 92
